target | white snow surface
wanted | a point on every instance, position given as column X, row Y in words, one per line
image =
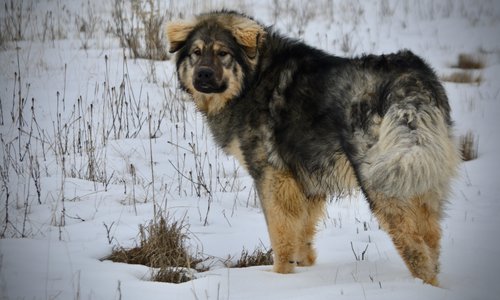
column 53, row 242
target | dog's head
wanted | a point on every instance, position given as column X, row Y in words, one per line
column 216, row 53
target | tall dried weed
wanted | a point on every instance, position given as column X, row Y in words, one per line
column 162, row 245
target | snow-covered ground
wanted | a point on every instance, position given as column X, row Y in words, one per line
column 79, row 173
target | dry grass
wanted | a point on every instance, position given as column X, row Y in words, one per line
column 259, row 257
column 469, row 145
column 162, row 246
column 15, row 20
column 462, row 77
column 139, row 26
column 466, row 61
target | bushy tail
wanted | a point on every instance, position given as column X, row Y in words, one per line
column 415, row 153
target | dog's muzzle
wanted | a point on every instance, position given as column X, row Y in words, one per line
column 205, row 81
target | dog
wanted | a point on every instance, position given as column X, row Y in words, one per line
column 308, row 125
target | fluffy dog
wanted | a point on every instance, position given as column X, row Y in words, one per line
column 308, row 125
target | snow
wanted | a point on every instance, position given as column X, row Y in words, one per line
column 53, row 244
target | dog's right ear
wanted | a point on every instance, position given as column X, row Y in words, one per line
column 177, row 34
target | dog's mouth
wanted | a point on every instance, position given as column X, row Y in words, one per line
column 208, row 87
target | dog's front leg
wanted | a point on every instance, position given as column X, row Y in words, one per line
column 285, row 208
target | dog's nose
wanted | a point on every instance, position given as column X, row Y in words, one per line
column 205, row 74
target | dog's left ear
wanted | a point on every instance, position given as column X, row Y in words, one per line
column 177, row 34
column 250, row 35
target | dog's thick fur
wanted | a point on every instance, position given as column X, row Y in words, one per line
column 307, row 125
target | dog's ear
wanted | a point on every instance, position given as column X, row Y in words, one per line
column 177, row 34
column 249, row 34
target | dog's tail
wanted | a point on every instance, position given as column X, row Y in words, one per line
column 415, row 154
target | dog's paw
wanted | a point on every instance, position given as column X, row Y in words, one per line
column 307, row 255
column 285, row 267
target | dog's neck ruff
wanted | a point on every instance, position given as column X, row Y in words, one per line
column 210, row 104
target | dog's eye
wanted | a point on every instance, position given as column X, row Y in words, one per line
column 196, row 52
column 223, row 54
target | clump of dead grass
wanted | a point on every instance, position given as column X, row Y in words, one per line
column 162, row 246
column 467, row 61
column 462, row 77
column 139, row 26
column 468, row 145
column 259, row 257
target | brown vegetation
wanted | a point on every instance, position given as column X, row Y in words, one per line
column 162, row 246
column 468, row 146
column 462, row 77
column 259, row 257
column 466, row 61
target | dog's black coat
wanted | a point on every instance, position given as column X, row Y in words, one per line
column 307, row 124
column 314, row 112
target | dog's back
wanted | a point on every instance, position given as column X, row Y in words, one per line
column 389, row 116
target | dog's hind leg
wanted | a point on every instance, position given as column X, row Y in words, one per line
column 284, row 206
column 407, row 175
column 315, row 211
column 414, row 228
